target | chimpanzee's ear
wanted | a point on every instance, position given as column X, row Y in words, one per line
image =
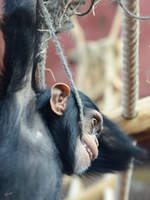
column 59, row 96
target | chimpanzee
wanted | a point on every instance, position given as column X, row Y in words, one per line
column 40, row 136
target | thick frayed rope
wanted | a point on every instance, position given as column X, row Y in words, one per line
column 51, row 30
column 130, row 60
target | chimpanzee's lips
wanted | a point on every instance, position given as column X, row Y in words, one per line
column 90, row 144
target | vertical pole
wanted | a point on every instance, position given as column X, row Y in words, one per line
column 123, row 184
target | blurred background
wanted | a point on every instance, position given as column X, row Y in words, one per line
column 94, row 53
column 97, row 29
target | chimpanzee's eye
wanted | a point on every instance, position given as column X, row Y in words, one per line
column 94, row 122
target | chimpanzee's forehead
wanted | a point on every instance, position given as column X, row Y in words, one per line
column 61, row 12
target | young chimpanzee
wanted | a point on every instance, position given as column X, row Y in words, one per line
column 40, row 137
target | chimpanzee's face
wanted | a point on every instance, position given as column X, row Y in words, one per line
column 86, row 148
column 87, row 145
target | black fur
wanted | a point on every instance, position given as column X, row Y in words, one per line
column 30, row 165
column 36, row 146
column 64, row 129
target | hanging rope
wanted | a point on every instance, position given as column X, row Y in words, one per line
column 60, row 21
column 130, row 60
column 48, row 22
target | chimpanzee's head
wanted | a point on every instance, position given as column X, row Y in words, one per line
column 100, row 149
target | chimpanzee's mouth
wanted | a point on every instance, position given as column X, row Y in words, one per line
column 90, row 144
